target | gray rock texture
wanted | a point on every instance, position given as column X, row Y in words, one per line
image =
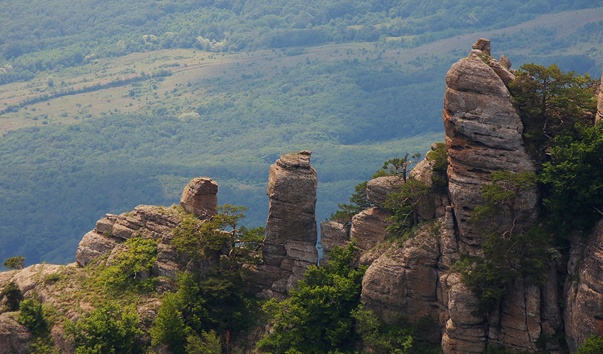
column 291, row 233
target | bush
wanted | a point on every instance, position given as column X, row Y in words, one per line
column 32, row 316
column 592, row 345
column 12, row 296
column 107, row 329
column 14, row 262
column 132, row 266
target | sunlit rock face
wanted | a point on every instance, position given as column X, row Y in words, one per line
column 291, row 233
column 483, row 134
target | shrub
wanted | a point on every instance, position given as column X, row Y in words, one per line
column 32, row 316
column 107, row 329
column 131, row 266
column 14, row 262
column 12, row 296
column 592, row 345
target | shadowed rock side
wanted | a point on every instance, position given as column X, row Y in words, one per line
column 584, row 289
column 599, row 116
column 291, row 234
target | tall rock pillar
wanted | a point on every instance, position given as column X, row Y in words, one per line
column 291, row 232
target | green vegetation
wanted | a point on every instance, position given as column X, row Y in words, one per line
column 14, row 262
column 107, row 329
column 592, row 345
column 404, row 205
column 63, row 35
column 379, row 338
column 211, row 300
column 558, row 113
column 131, row 266
column 11, row 296
column 32, row 316
column 318, row 317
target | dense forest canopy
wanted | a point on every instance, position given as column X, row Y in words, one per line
column 356, row 82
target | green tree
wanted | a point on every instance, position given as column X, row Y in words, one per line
column 509, row 252
column 14, row 262
column 358, row 202
column 573, row 179
column 399, row 166
column 318, row 317
column 404, row 206
column 551, row 103
column 207, row 343
column 107, row 329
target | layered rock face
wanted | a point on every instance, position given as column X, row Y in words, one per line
column 483, row 134
column 584, row 289
column 291, row 233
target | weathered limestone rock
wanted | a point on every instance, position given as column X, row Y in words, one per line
column 200, row 197
column 483, row 134
column 518, row 325
column 332, row 234
column 369, row 227
column 584, row 290
column 377, row 189
column 291, row 234
column 482, row 45
column 144, row 221
column 465, row 330
column 403, row 281
column 14, row 337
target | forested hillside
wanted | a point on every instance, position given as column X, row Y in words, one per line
column 110, row 106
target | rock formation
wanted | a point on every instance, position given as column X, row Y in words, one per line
column 584, row 289
column 200, row 197
column 291, row 234
column 483, row 134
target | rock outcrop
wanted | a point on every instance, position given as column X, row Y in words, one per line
column 200, row 197
column 584, row 289
column 483, row 134
column 291, row 233
column 14, row 338
column 599, row 116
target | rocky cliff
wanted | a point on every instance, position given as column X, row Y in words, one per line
column 412, row 278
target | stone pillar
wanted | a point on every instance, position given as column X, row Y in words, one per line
column 291, row 234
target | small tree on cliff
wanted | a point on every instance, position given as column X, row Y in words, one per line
column 551, row 103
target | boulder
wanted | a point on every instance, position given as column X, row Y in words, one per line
column 14, row 337
column 403, row 281
column 377, row 189
column 369, row 227
column 200, row 197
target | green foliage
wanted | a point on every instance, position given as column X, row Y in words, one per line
column 202, row 304
column 208, row 343
column 379, row 338
column 31, row 315
column 439, row 158
column 592, row 345
column 12, row 296
column 14, row 262
column 318, row 317
column 358, row 202
column 573, row 179
column 107, row 329
column 131, row 266
column 551, row 103
column 404, row 207
column 398, row 166
column 509, row 253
